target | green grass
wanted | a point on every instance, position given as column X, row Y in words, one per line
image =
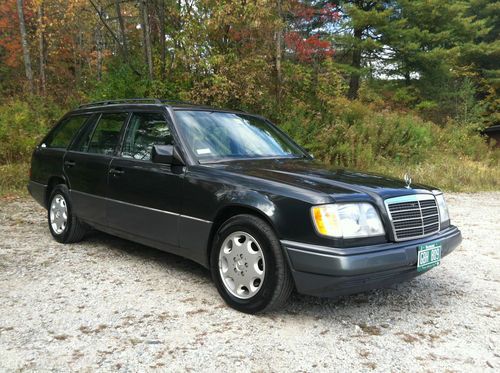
column 449, row 174
column 14, row 179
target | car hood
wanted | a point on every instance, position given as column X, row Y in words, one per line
column 316, row 177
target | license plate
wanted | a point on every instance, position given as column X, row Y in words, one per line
column 429, row 256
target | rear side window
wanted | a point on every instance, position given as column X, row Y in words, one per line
column 66, row 131
column 144, row 131
column 106, row 134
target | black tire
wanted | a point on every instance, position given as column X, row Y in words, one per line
column 74, row 230
column 277, row 284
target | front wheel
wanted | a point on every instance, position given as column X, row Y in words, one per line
column 248, row 266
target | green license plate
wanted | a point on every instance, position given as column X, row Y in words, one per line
column 429, row 256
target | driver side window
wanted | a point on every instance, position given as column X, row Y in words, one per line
column 144, row 131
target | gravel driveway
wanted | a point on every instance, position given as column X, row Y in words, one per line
column 110, row 304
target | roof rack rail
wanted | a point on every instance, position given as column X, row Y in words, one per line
column 134, row 101
column 178, row 102
column 122, row 101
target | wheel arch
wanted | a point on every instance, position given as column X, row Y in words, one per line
column 228, row 212
column 52, row 182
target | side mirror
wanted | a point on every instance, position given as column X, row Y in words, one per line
column 166, row 154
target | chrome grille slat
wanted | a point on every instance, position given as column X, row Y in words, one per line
column 424, row 226
column 419, row 218
column 413, row 216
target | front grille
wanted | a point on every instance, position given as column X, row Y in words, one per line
column 413, row 216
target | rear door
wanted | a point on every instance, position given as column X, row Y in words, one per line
column 144, row 197
column 48, row 157
column 86, row 165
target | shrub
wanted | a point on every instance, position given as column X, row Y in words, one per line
column 119, row 82
column 22, row 124
column 453, row 157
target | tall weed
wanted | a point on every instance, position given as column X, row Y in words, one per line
column 453, row 157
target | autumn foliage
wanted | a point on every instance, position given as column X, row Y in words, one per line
column 10, row 43
column 310, row 49
column 362, row 83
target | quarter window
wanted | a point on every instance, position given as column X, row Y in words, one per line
column 106, row 134
column 144, row 131
column 64, row 133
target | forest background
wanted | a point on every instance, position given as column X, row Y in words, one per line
column 384, row 86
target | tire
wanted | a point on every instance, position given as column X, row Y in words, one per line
column 64, row 226
column 248, row 266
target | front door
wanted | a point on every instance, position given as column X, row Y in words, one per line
column 86, row 166
column 143, row 197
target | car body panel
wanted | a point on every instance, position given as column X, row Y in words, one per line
column 143, row 199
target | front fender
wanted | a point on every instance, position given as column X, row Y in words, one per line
column 251, row 199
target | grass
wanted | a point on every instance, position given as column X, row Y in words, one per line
column 449, row 174
column 14, row 179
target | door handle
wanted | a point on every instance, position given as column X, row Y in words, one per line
column 116, row 171
column 69, row 163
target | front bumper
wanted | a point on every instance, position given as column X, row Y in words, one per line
column 330, row 272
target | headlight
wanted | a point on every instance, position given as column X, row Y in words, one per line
column 443, row 209
column 347, row 220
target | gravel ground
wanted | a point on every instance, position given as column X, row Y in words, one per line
column 109, row 304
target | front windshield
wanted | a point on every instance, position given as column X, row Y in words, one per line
column 214, row 136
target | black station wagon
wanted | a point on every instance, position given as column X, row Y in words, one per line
column 231, row 191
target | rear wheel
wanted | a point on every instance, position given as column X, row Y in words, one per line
column 248, row 266
column 64, row 226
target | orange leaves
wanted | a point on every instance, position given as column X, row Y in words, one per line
column 10, row 43
column 325, row 14
column 310, row 20
column 309, row 49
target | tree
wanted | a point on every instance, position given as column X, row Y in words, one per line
column 41, row 47
column 484, row 57
column 435, row 45
column 308, row 34
column 146, row 32
column 123, row 35
column 279, row 50
column 121, row 42
column 25, row 45
column 359, row 37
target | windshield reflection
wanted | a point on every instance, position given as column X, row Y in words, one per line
column 214, row 136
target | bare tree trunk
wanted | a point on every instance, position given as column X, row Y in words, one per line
column 356, row 64
column 279, row 51
column 99, row 48
column 24, row 43
column 78, row 54
column 123, row 36
column 41, row 50
column 147, row 37
column 163, row 44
